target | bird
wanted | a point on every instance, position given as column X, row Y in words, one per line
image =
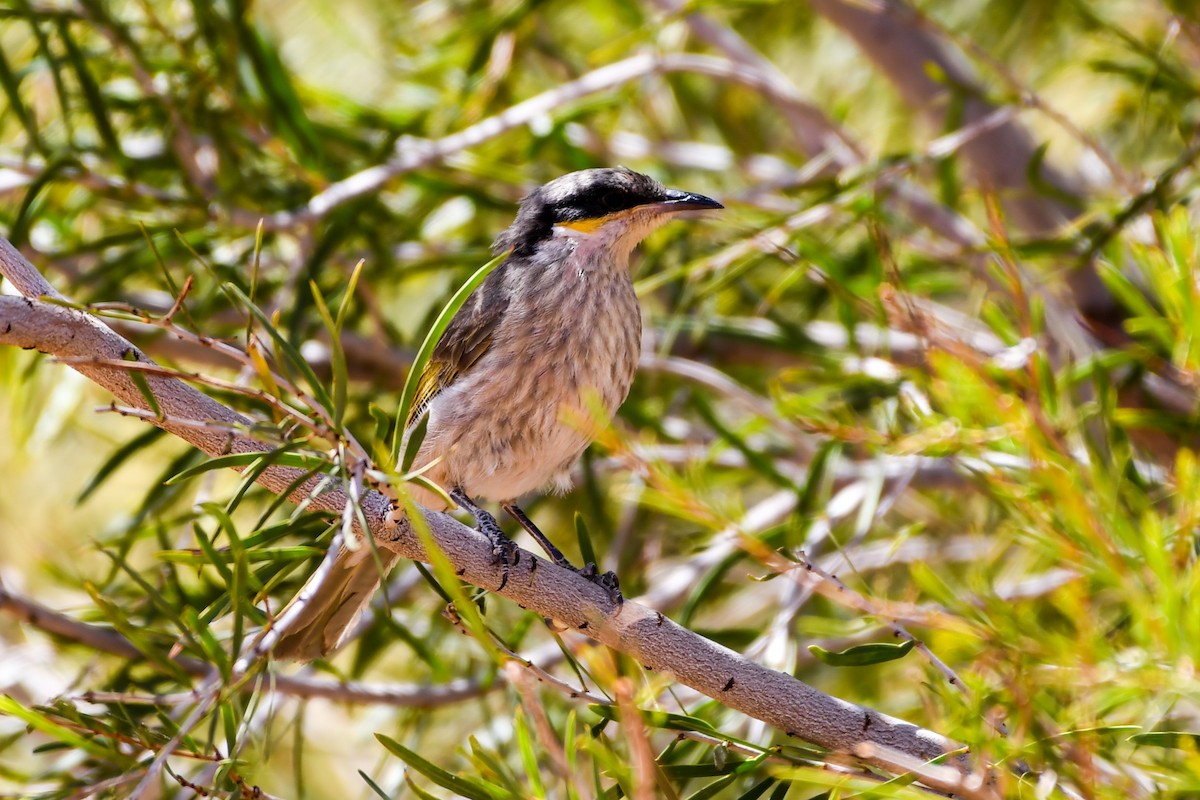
column 551, row 334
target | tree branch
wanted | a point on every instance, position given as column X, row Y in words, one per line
column 417, row 153
column 106, row 640
column 550, row 591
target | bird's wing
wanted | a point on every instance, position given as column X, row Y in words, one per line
column 466, row 339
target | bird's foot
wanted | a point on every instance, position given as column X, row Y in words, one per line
column 504, row 550
column 605, row 580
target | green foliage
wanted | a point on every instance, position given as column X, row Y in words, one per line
column 829, row 373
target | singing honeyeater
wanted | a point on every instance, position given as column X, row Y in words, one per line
column 552, row 329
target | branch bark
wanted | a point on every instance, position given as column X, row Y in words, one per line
column 647, row 636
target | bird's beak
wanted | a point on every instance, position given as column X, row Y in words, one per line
column 687, row 201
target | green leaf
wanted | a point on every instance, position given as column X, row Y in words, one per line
column 447, row 780
column 263, row 554
column 277, row 458
column 757, row 462
column 119, row 457
column 864, row 654
column 143, row 386
column 586, row 551
column 286, row 348
column 819, row 478
column 661, row 719
column 528, row 756
column 52, row 729
column 337, row 356
column 374, row 786
column 118, row 618
column 757, row 790
column 1176, row 740
column 417, row 790
column 11, row 84
column 348, row 297
column 1033, row 173
column 91, row 91
column 431, row 339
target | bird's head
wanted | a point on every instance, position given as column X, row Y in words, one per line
column 614, row 208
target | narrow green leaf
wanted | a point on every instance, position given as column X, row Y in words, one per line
column 286, row 349
column 586, row 551
column 863, row 654
column 754, row 457
column 24, row 216
column 209, row 645
column 374, row 786
column 571, row 749
column 818, row 479
column 1033, row 173
column 757, row 790
column 383, row 422
column 275, row 83
column 274, row 458
column 239, row 591
column 417, row 790
column 214, row 556
column 706, row 584
column 431, row 339
column 781, row 791
column 447, row 780
column 661, row 719
column 118, row 618
column 52, row 729
column 337, row 356
column 119, row 457
column 1175, row 740
column 449, row 581
column 196, row 558
column 143, row 386
column 528, row 758
column 12, row 87
column 348, row 297
column 412, row 445
column 91, row 91
column 229, row 710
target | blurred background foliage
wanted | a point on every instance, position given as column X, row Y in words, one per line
column 947, row 350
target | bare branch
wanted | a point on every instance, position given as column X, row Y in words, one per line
column 416, row 153
column 106, row 640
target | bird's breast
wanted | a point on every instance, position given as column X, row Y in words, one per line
column 581, row 342
column 560, row 364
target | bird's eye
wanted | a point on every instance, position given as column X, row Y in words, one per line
column 613, row 201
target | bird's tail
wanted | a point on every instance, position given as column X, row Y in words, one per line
column 327, row 606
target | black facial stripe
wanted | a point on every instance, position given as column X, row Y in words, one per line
column 604, row 200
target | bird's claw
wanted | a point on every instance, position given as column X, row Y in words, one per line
column 504, row 550
column 605, row 580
